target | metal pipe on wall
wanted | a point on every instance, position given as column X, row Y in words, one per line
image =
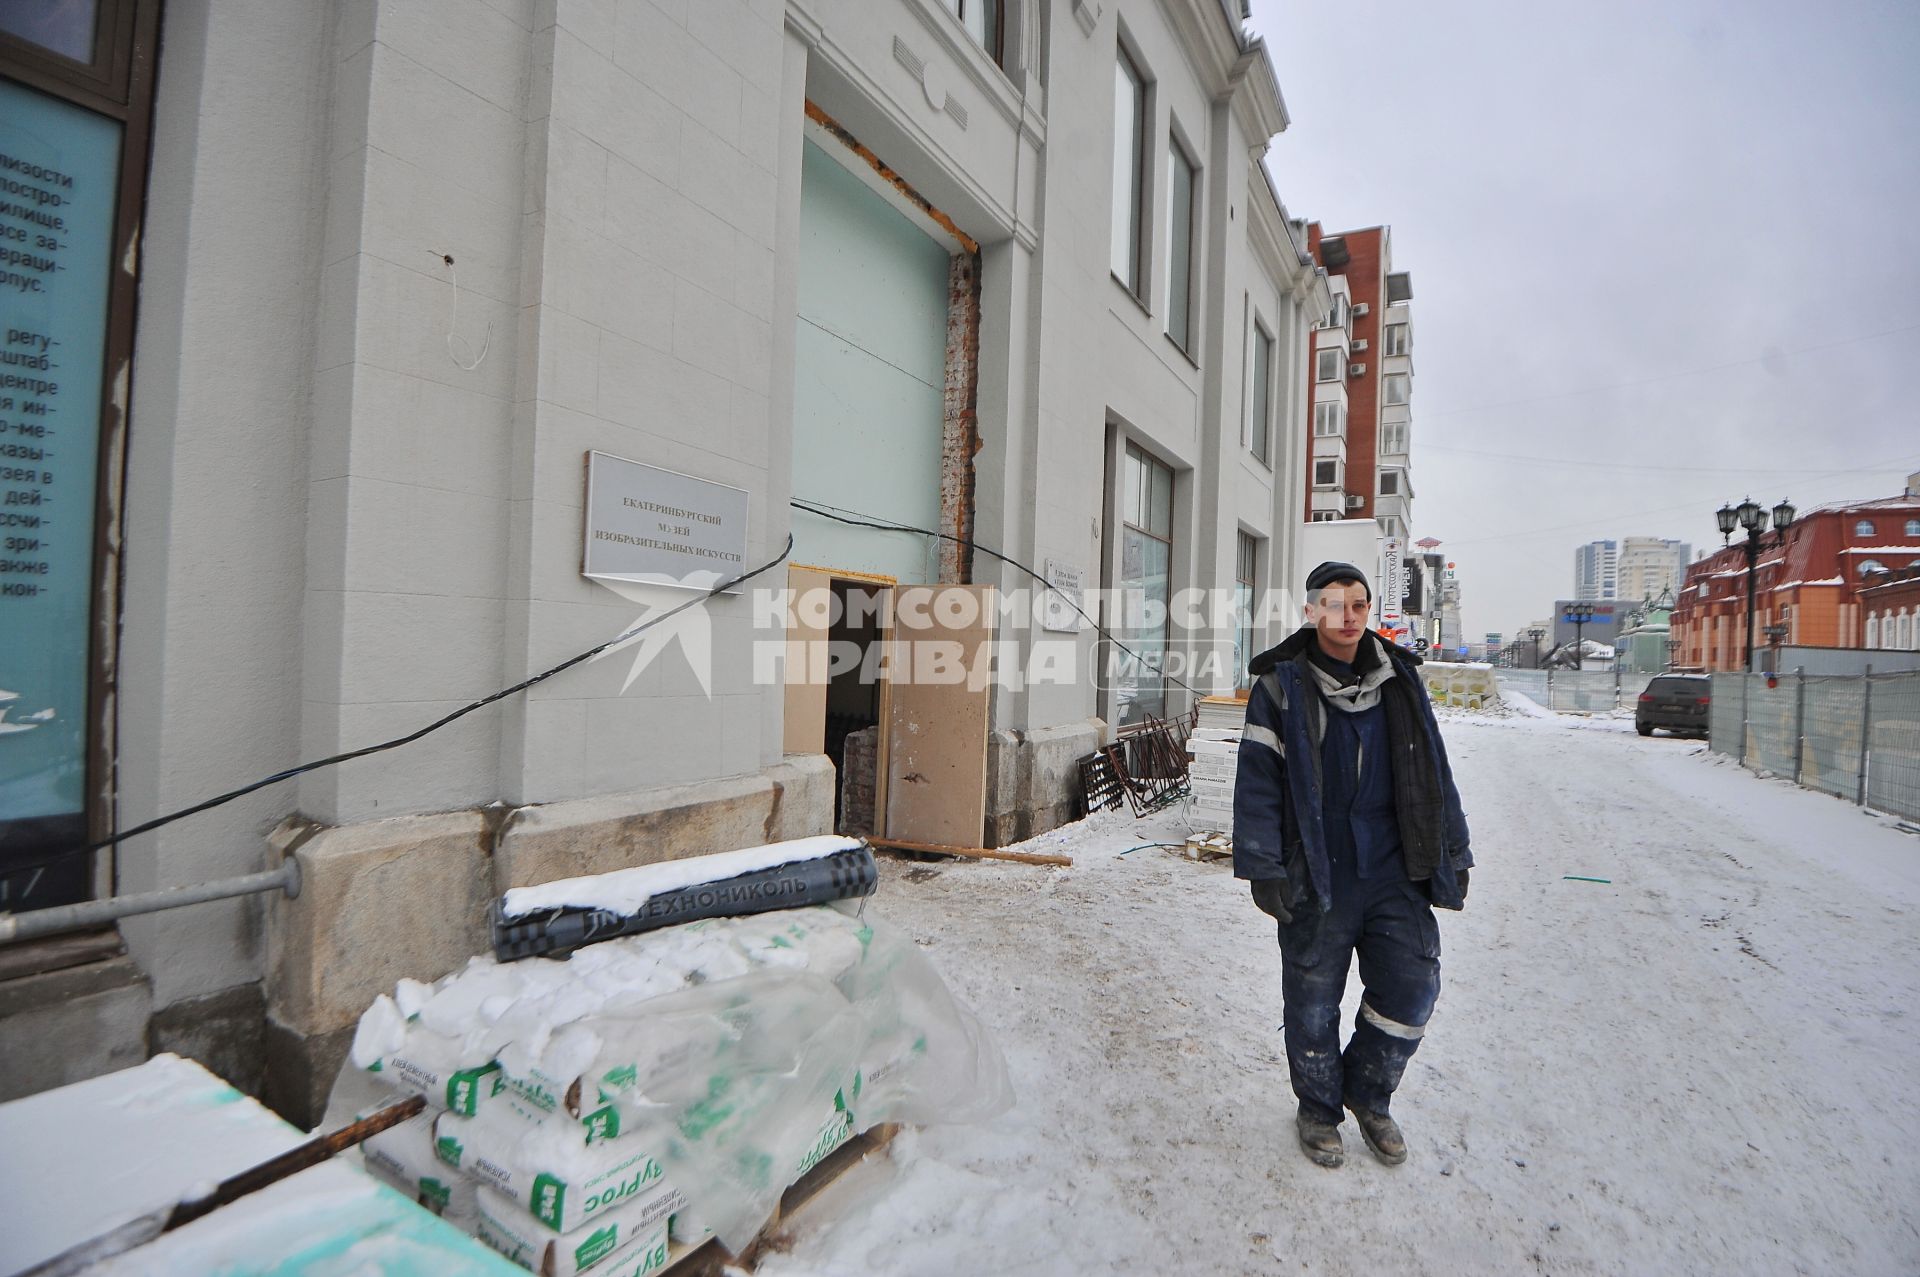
column 45, row 922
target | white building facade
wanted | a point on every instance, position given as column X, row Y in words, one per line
column 1012, row 275
column 1596, row 570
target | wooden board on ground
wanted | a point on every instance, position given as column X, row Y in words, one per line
column 711, row 1259
column 1208, row 846
column 974, row 853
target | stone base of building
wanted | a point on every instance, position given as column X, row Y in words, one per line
column 408, row 897
column 1033, row 779
column 71, row 1008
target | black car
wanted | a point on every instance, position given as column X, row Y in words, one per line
column 1677, row 702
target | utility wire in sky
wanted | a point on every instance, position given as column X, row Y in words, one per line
column 1589, row 463
column 1610, row 517
column 1670, row 376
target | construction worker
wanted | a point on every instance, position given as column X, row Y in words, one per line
column 1347, row 823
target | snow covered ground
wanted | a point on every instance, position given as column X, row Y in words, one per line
column 1705, row 1065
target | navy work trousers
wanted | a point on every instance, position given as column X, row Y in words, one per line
column 1389, row 921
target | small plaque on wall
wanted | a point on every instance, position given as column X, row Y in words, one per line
column 660, row 527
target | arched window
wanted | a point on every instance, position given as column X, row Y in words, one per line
column 1905, row 640
column 1873, row 632
column 1864, row 528
column 1870, row 566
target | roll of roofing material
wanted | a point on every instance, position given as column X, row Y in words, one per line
column 843, row 875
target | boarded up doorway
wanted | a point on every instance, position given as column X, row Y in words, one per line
column 893, row 684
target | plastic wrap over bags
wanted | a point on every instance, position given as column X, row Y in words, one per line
column 718, row 1060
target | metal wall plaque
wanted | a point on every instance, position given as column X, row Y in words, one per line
column 1062, row 613
column 660, row 527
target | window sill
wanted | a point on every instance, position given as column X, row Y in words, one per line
column 1131, row 296
column 1195, row 363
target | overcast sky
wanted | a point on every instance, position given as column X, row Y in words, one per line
column 1667, row 251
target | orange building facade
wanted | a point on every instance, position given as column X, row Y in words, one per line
column 1809, row 579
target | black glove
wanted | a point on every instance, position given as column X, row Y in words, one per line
column 1270, row 897
column 1461, row 874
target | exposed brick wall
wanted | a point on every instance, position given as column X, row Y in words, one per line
column 858, row 778
column 960, row 436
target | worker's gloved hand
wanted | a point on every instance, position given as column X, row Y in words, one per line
column 1461, row 874
column 1270, row 897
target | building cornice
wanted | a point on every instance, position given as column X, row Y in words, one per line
column 1257, row 105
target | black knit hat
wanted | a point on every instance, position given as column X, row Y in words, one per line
column 1333, row 570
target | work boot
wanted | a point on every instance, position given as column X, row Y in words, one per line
column 1320, row 1141
column 1382, row 1135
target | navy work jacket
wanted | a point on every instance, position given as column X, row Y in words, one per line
column 1278, row 830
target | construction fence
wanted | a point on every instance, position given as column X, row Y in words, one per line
column 1577, row 691
column 1854, row 736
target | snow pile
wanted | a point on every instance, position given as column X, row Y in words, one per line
column 666, row 1084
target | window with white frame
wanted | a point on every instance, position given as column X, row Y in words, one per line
column 1327, row 366
column 1260, row 394
column 1873, row 632
column 1146, row 558
column 1324, row 516
column 1329, row 419
column 1389, row 483
column 1913, row 527
column 1337, row 316
column 1397, row 339
column 1904, row 631
column 1395, row 388
column 1182, row 194
column 1326, row 473
column 1393, row 438
column 1870, row 566
column 1246, row 559
column 983, row 20
column 1864, row 528
column 1129, row 176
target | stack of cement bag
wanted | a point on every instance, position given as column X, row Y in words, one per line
column 666, row 1086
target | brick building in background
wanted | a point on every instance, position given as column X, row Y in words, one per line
column 1820, row 578
column 1360, row 393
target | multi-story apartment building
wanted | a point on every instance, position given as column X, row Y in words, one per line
column 1360, row 395
column 1596, row 571
column 1361, row 388
column 440, row 302
column 1650, row 568
column 1824, row 579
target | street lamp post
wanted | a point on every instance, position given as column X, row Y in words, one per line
column 1536, row 634
column 1579, row 614
column 1751, row 516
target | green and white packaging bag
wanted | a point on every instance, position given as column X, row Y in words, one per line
column 543, row 1164
column 403, row 1156
column 638, row 1259
column 505, row 1226
column 407, row 1056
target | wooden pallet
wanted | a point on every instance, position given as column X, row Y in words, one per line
column 709, row 1258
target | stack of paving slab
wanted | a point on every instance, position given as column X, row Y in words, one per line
column 82, row 1161
column 598, row 1113
column 1213, row 752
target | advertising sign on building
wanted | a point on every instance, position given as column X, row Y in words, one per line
column 1393, row 582
column 59, row 168
column 660, row 527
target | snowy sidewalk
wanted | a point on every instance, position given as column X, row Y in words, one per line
column 1706, row 1065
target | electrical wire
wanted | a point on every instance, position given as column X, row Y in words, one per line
column 396, row 742
column 839, row 515
column 1670, row 376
